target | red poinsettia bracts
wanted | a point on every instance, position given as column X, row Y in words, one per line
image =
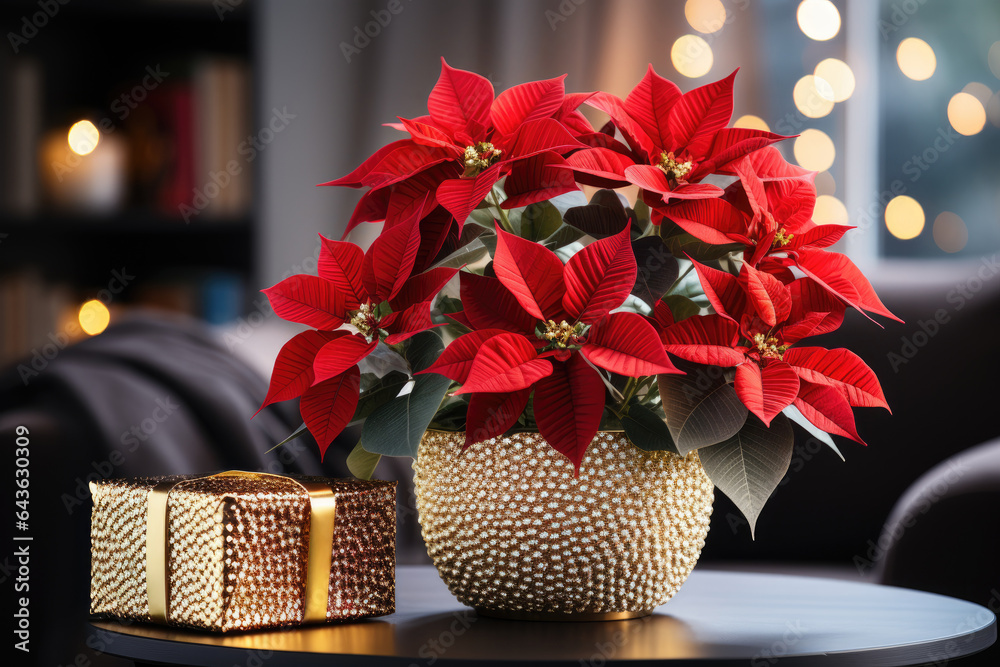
column 466, row 143
column 674, row 140
column 375, row 294
column 758, row 319
column 543, row 327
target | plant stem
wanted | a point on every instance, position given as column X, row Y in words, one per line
column 504, row 222
column 627, row 393
column 681, row 277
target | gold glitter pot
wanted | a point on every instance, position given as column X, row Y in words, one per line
column 514, row 534
column 238, row 550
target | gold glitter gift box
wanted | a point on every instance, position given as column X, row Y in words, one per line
column 242, row 551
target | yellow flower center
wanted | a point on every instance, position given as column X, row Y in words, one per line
column 782, row 238
column 563, row 334
column 768, row 346
column 479, row 157
column 363, row 319
column 673, row 168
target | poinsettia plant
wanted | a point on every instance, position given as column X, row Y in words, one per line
column 498, row 297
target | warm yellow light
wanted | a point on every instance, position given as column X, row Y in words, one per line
column 980, row 91
column 839, row 75
column 829, row 211
column 751, row 122
column 966, row 114
column 950, row 232
column 691, row 56
column 994, row 59
column 83, row 137
column 808, row 98
column 818, row 19
column 814, row 150
column 705, row 15
column 94, row 317
column 904, row 217
column 916, row 58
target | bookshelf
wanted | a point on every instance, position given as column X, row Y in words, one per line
column 165, row 197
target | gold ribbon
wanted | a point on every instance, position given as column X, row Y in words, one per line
column 322, row 511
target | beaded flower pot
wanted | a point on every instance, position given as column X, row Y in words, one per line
column 514, row 534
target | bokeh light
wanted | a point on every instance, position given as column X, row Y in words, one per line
column 980, row 91
column 705, row 16
column 94, row 317
column 994, row 59
column 950, row 232
column 916, row 58
column 839, row 75
column 966, row 114
column 808, row 98
column 829, row 211
column 814, row 150
column 825, row 185
column 83, row 137
column 751, row 122
column 904, row 217
column 993, row 110
column 691, row 56
column 818, row 19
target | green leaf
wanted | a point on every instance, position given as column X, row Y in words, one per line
column 538, row 221
column 701, row 407
column 379, row 393
column 451, row 416
column 647, row 430
column 302, row 430
column 656, row 269
column 681, row 307
column 395, row 427
column 361, row 462
column 641, row 212
column 562, row 237
column 748, row 466
column 682, row 243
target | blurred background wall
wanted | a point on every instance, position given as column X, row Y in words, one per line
column 164, row 155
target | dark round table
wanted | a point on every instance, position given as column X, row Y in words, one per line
column 717, row 618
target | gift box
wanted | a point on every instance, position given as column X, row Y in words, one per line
column 242, row 551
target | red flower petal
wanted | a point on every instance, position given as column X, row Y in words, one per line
column 422, row 287
column 791, row 202
column 700, row 113
column 819, row 236
column 461, row 195
column 630, row 129
column 428, row 135
column 340, row 263
column 293, row 372
column 308, row 300
column 704, row 339
column 838, row 368
column 491, row 415
column 490, row 305
column 537, row 179
column 415, row 196
column 456, row 360
column 372, row 207
column 827, row 408
column 714, row 221
column 722, row 290
column 649, row 104
column 732, row 144
column 460, row 101
column 328, row 406
column 404, row 324
column 841, row 277
column 507, row 362
column 389, row 260
column 536, row 136
column 532, row 273
column 808, row 296
column 605, row 167
column 766, row 391
column 599, row 278
column 568, row 406
column 340, row 354
column 359, row 177
column 768, row 296
column 625, row 343
column 528, row 101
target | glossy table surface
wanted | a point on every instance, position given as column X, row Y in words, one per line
column 717, row 618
